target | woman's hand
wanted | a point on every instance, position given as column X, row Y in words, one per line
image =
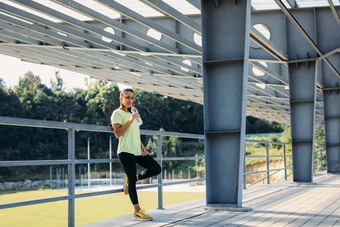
column 134, row 116
column 145, row 152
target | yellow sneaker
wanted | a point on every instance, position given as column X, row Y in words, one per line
column 126, row 185
column 141, row 215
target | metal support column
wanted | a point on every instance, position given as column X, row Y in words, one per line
column 302, row 89
column 302, row 86
column 225, row 37
column 331, row 96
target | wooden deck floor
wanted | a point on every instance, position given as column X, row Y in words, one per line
column 278, row 204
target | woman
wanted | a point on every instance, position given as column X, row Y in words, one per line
column 131, row 150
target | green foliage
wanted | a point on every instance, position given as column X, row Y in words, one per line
column 320, row 153
column 275, row 139
column 257, row 125
column 286, row 135
column 320, row 137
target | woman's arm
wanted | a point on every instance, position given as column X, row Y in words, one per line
column 144, row 150
column 120, row 130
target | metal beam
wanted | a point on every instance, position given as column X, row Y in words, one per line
column 135, row 33
column 146, row 79
column 196, row 3
column 116, row 24
column 225, row 65
column 49, row 39
column 81, row 24
column 78, row 23
column 292, row 3
column 290, row 16
column 258, row 38
column 336, row 15
column 172, row 12
column 149, row 23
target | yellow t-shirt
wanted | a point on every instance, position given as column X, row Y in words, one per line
column 130, row 141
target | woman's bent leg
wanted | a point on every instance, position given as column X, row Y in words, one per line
column 129, row 164
column 150, row 164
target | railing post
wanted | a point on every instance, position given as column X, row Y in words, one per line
column 71, row 177
column 285, row 160
column 51, row 177
column 321, row 160
column 315, row 163
column 160, row 186
column 244, row 171
column 267, row 153
column 88, row 164
column 110, row 153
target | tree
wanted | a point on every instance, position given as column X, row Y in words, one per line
column 59, row 85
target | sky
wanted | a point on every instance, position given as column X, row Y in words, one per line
column 12, row 68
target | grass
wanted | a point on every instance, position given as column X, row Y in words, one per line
column 87, row 210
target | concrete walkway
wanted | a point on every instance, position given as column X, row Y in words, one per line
column 278, row 204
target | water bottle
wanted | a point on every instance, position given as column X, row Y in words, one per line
column 134, row 110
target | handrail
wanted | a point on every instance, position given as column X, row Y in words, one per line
column 84, row 127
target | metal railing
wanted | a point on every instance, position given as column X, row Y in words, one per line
column 72, row 161
column 319, row 156
column 320, row 152
column 267, row 156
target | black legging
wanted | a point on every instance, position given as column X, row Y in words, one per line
column 129, row 164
